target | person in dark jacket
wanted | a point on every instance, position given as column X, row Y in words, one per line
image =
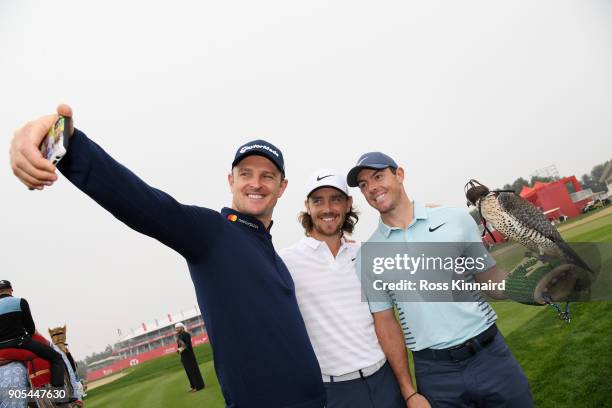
column 17, row 328
column 188, row 358
column 241, row 283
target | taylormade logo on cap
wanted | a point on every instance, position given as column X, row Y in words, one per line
column 258, row 146
column 261, row 148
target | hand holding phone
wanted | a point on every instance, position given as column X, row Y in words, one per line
column 28, row 162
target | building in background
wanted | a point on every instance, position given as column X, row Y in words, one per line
column 149, row 341
column 559, row 199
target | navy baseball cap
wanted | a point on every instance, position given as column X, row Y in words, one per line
column 4, row 284
column 371, row 160
column 260, row 148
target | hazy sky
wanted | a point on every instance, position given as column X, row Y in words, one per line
column 451, row 89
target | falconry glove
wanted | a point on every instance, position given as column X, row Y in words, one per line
column 534, row 282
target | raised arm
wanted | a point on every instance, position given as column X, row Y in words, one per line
column 113, row 186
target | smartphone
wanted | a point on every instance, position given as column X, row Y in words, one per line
column 55, row 145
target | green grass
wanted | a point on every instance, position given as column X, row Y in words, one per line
column 512, row 316
column 580, row 217
column 568, row 365
column 599, row 230
column 160, row 383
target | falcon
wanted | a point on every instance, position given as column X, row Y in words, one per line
column 521, row 221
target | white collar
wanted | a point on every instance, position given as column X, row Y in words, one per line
column 315, row 243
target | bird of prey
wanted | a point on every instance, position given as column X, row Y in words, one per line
column 521, row 221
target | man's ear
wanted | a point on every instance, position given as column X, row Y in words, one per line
column 283, row 186
column 349, row 203
column 400, row 174
column 306, row 206
column 230, row 179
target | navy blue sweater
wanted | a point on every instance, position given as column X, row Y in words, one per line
column 262, row 354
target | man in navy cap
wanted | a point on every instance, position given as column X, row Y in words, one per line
column 460, row 357
column 241, row 284
column 17, row 328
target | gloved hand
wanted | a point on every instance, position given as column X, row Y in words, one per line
column 534, row 282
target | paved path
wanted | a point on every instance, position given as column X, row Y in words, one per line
column 105, row 380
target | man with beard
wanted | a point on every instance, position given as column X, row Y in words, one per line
column 240, row 282
column 460, row 357
column 353, row 365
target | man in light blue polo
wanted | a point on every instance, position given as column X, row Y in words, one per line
column 461, row 360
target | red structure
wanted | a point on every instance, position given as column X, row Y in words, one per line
column 124, row 363
column 560, row 199
column 554, row 198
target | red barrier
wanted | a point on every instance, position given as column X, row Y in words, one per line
column 119, row 365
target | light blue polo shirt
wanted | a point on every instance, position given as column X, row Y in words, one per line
column 438, row 325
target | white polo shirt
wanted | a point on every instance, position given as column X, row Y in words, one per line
column 328, row 291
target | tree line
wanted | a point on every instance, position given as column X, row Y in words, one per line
column 590, row 180
column 82, row 365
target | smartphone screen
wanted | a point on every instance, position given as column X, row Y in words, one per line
column 53, row 146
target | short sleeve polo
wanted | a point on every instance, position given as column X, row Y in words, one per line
column 437, row 325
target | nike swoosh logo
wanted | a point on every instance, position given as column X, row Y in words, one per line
column 321, row 178
column 362, row 160
column 353, row 259
column 433, row 229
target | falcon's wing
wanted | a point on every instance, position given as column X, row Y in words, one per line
column 528, row 215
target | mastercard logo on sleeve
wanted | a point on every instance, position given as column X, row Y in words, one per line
column 232, row 217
